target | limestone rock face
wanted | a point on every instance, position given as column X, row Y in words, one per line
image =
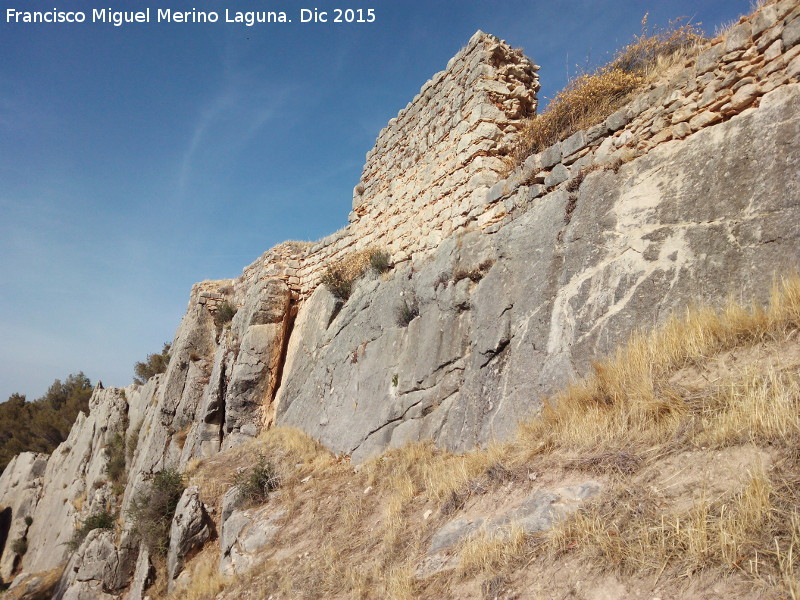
column 510, row 315
column 504, row 286
column 98, row 567
column 190, row 529
column 20, row 486
column 74, row 481
column 244, row 533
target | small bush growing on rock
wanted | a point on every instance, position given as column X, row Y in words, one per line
column 380, row 261
column 340, row 277
column 20, row 546
column 474, row 275
column 115, row 451
column 152, row 510
column 407, row 311
column 153, row 365
column 29, row 520
column 225, row 313
column 101, row 520
column 255, row 484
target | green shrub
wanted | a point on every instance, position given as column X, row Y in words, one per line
column 406, row 311
column 225, row 313
column 101, row 520
column 20, row 546
column 115, row 452
column 255, row 484
column 29, row 520
column 133, row 441
column 154, row 364
column 41, row 425
column 152, row 510
column 380, row 261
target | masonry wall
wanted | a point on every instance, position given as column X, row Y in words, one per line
column 438, row 167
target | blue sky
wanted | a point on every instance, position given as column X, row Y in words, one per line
column 137, row 160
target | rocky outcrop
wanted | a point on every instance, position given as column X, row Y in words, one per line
column 504, row 286
column 690, row 192
column 20, row 487
column 75, row 483
column 190, row 529
column 507, row 316
column 98, row 569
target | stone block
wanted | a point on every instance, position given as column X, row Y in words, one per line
column 559, row 174
column 704, row 119
column 573, row 143
column 791, row 33
column 738, row 37
column 763, row 20
column 708, row 59
column 551, row 156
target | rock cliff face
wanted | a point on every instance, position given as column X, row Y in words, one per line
column 503, row 287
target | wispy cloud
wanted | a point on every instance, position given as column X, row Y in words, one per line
column 238, row 111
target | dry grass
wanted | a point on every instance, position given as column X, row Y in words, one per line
column 629, row 402
column 488, row 553
column 205, row 579
column 340, row 276
column 591, row 97
column 38, row 586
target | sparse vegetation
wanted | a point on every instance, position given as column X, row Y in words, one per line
column 101, row 520
column 20, row 546
column 339, row 277
column 43, row 424
column 224, row 314
column 153, row 365
column 255, row 484
column 474, row 274
column 406, row 311
column 380, row 261
column 115, row 464
column 151, row 510
column 593, row 96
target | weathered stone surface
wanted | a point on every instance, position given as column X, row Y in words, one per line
column 190, row 529
column 97, row 566
column 639, row 244
column 559, row 174
column 143, row 576
column 244, row 533
column 74, row 474
column 514, row 297
column 20, row 485
column 539, row 512
column 738, row 37
column 791, row 33
column 551, row 156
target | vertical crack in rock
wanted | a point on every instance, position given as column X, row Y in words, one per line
column 288, row 328
column 220, row 412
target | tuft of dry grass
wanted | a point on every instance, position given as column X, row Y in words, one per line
column 341, row 275
column 36, row 586
column 591, row 97
column 487, row 553
column 205, row 579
